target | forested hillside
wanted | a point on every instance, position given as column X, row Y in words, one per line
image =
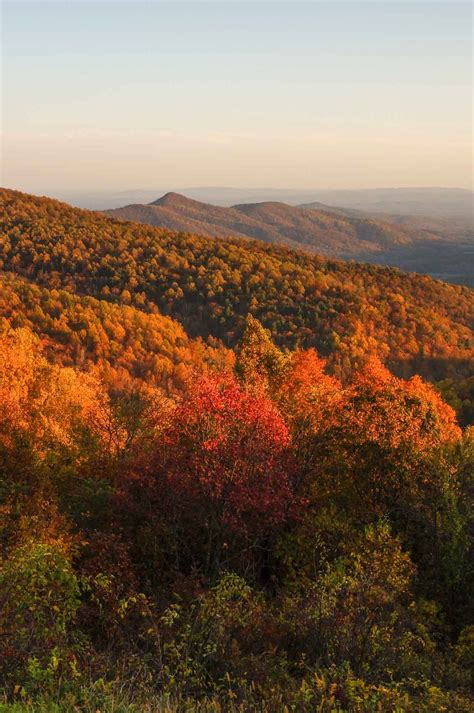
column 201, row 514
column 123, row 343
column 347, row 311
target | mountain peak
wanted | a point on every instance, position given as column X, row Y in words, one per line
column 172, row 199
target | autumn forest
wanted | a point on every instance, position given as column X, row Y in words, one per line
column 233, row 476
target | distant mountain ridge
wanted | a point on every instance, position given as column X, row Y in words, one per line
column 435, row 203
column 453, row 203
column 330, row 232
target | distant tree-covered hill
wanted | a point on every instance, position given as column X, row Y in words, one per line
column 314, row 228
column 346, row 310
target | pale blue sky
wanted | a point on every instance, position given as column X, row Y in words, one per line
column 316, row 94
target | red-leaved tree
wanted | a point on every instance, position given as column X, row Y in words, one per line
column 225, row 465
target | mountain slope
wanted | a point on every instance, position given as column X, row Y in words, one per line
column 328, row 233
column 176, row 212
column 447, row 228
column 333, row 233
column 346, row 310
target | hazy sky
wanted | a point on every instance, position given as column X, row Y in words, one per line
column 120, row 95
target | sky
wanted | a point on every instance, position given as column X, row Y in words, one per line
column 127, row 95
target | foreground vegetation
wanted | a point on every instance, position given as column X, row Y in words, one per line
column 261, row 537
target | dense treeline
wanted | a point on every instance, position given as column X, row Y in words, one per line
column 123, row 343
column 270, row 539
column 126, row 345
column 346, row 310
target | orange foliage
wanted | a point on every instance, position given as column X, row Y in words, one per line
column 394, row 412
column 48, row 402
column 307, row 392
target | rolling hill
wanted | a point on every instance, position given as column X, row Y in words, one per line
column 331, row 232
column 346, row 310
